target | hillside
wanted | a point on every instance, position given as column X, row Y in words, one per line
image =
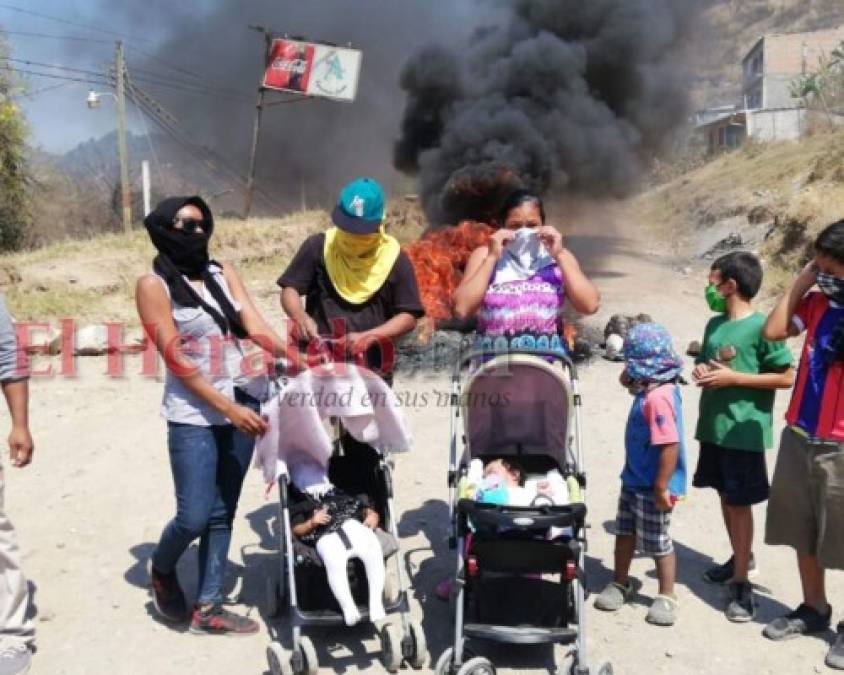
column 730, row 27
column 775, row 196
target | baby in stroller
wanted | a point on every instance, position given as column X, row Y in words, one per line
column 340, row 526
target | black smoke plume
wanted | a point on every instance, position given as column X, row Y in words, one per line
column 568, row 95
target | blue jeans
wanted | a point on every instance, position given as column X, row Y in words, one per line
column 208, row 465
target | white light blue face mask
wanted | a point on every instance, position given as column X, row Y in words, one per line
column 523, row 257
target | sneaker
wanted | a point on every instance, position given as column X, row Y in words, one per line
column 835, row 655
column 215, row 620
column 663, row 611
column 722, row 574
column 614, row 595
column 741, row 607
column 15, row 660
column 801, row 621
column 167, row 595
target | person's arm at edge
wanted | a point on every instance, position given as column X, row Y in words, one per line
column 780, row 323
column 14, row 379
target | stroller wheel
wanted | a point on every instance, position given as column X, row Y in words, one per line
column 278, row 660
column 419, row 654
column 310, row 665
column 445, row 664
column 477, row 666
column 391, row 655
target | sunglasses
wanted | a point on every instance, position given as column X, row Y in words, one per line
column 190, row 225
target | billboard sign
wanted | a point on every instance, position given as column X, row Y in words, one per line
column 313, row 69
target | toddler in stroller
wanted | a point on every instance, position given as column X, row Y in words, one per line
column 340, row 527
column 333, row 495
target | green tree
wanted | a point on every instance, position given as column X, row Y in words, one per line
column 15, row 210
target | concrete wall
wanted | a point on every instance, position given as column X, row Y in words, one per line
column 777, row 125
column 778, row 59
column 785, row 54
column 777, row 92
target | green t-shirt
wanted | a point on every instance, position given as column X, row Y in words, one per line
column 740, row 417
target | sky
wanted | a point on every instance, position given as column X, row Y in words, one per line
column 56, row 112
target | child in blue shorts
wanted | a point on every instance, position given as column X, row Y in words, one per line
column 654, row 475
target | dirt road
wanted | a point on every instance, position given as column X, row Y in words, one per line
column 92, row 505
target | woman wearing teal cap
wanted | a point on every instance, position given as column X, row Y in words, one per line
column 359, row 286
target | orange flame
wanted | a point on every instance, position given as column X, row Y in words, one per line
column 439, row 259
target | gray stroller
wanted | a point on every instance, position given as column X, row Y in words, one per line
column 520, row 575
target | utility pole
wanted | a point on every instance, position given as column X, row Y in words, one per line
column 120, row 71
column 256, row 130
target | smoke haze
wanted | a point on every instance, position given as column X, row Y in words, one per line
column 317, row 144
column 572, row 96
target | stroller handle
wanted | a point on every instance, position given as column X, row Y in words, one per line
column 464, row 358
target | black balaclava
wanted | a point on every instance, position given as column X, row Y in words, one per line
column 185, row 254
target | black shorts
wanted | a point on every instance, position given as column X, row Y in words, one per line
column 739, row 476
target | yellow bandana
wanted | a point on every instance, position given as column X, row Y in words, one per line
column 358, row 264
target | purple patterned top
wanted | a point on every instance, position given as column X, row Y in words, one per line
column 532, row 306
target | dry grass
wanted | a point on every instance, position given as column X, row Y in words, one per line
column 93, row 280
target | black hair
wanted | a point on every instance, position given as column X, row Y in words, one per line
column 515, row 199
column 513, row 467
column 831, row 241
column 742, row 267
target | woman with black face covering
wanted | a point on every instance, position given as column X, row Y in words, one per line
column 197, row 311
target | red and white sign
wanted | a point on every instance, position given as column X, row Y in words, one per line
column 313, row 69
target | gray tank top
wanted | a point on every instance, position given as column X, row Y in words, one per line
column 219, row 359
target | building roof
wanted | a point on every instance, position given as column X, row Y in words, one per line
column 737, row 117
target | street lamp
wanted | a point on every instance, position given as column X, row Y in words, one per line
column 94, row 97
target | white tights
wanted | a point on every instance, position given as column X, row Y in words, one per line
column 335, row 557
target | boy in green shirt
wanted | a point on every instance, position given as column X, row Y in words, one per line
column 739, row 372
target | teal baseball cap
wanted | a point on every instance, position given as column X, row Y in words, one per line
column 360, row 209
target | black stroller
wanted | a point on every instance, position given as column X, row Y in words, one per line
column 302, row 585
column 524, row 406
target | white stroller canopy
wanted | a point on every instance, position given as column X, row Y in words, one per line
column 369, row 410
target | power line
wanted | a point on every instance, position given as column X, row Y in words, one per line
column 206, row 156
column 52, row 76
column 160, row 80
column 57, row 37
column 42, row 90
column 67, row 22
column 40, row 64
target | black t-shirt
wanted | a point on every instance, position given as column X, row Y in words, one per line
column 308, row 274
